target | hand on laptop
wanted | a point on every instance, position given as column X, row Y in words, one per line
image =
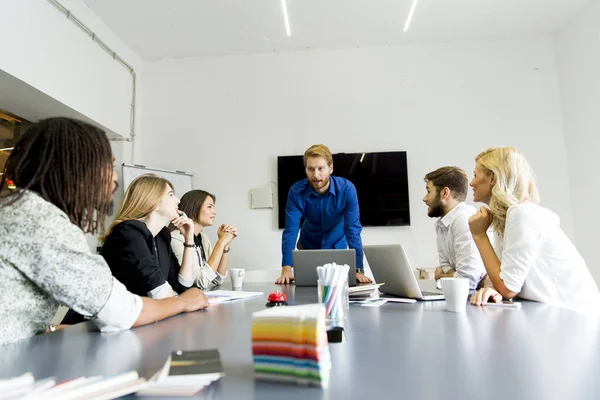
column 361, row 278
column 286, row 275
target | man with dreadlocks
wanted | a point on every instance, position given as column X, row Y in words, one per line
column 57, row 185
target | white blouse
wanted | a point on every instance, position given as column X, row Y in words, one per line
column 204, row 275
column 539, row 262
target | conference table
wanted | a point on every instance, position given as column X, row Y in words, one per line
column 412, row 351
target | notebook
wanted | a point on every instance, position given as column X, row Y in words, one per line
column 192, row 365
column 186, row 373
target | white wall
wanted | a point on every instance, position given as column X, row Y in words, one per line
column 50, row 53
column 578, row 60
column 227, row 119
column 122, row 153
column 44, row 49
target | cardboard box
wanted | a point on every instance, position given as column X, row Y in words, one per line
column 426, row 273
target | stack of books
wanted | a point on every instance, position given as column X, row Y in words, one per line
column 289, row 344
column 96, row 387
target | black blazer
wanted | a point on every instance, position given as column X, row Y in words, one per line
column 130, row 253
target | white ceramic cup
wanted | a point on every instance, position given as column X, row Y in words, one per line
column 237, row 276
column 456, row 291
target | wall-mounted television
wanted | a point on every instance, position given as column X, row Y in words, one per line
column 381, row 181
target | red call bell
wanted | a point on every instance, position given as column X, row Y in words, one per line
column 277, row 299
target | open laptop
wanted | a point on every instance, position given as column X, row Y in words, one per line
column 390, row 264
column 306, row 262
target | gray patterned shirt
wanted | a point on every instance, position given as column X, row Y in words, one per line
column 44, row 262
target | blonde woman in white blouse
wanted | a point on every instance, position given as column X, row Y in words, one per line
column 531, row 257
column 210, row 263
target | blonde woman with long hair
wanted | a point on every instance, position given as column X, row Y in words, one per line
column 531, row 256
column 137, row 245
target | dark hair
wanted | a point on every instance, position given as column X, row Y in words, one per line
column 453, row 178
column 69, row 164
column 191, row 203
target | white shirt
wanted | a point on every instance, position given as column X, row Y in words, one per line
column 539, row 262
column 204, row 275
column 44, row 262
column 456, row 248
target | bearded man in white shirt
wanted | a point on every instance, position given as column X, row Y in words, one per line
column 458, row 255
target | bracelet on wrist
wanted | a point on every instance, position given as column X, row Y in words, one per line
column 189, row 245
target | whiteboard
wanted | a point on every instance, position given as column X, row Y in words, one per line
column 182, row 181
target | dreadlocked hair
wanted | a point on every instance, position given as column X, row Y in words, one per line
column 69, row 164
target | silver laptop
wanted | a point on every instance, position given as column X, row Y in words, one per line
column 390, row 265
column 305, row 264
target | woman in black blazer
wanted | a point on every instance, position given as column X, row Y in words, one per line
column 137, row 245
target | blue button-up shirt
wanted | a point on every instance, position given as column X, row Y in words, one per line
column 331, row 221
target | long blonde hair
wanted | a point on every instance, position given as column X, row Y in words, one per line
column 515, row 181
column 142, row 197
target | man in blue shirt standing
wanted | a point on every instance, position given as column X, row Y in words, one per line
column 329, row 205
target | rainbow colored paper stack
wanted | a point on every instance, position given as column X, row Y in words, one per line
column 289, row 344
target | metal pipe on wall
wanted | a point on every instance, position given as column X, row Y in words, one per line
column 116, row 57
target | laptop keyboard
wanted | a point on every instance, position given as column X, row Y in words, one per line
column 424, row 293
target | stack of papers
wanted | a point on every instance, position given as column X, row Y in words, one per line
column 364, row 292
column 220, row 296
column 185, row 374
column 289, row 344
column 97, row 387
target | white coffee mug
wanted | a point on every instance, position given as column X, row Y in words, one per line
column 456, row 291
column 237, row 276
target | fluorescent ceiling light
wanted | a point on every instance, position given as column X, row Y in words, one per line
column 363, row 156
column 285, row 18
column 7, row 149
column 410, row 15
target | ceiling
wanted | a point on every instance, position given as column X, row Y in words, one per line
column 157, row 29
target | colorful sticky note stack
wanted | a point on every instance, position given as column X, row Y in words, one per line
column 289, row 344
